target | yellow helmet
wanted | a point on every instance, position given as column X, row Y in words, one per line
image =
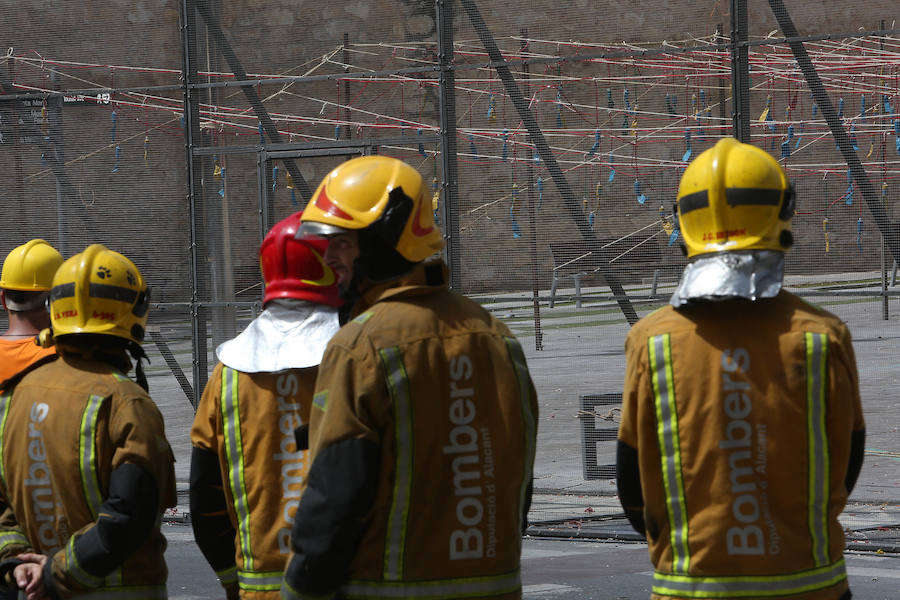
column 379, row 193
column 735, row 196
column 99, row 291
column 30, row 267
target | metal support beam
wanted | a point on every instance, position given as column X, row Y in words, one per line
column 532, row 229
column 252, row 97
column 740, row 71
column 450, row 173
column 543, row 150
column 890, row 234
column 195, row 189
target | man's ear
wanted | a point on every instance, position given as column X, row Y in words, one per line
column 3, row 299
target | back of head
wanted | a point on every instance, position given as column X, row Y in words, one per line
column 99, row 292
column 735, row 197
column 293, row 267
column 735, row 205
column 28, row 275
column 383, row 199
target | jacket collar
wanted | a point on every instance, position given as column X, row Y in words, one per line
column 424, row 278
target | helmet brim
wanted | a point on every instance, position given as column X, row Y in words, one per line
column 314, row 229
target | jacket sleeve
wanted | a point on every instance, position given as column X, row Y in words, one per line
column 12, row 539
column 126, row 518
column 212, row 526
column 850, row 378
column 141, row 486
column 628, row 484
column 628, row 476
column 342, row 481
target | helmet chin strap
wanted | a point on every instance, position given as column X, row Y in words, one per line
column 139, row 356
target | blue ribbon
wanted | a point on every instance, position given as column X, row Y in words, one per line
column 540, row 188
column 118, row 154
column 114, row 118
column 505, row 153
column 859, row 228
column 517, row 233
column 596, row 145
column 687, row 144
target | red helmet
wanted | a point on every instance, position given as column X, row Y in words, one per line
column 294, row 268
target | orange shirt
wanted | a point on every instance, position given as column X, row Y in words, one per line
column 17, row 354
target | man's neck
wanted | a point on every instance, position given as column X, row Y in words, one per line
column 25, row 325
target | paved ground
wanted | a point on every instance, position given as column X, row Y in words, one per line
column 583, row 353
column 552, row 569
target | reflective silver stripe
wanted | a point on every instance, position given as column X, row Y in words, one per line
column 231, row 426
column 816, row 398
column 395, row 542
column 75, row 569
column 10, row 538
column 528, row 418
column 440, row 589
column 755, row 586
column 4, row 412
column 320, row 400
column 87, row 455
column 261, row 582
column 660, row 352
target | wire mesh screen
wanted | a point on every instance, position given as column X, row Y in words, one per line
column 178, row 133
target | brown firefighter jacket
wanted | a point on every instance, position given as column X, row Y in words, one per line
column 743, row 416
column 86, row 475
column 423, row 437
column 243, row 435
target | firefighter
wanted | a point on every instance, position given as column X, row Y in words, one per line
column 422, row 430
column 24, row 290
column 243, row 433
column 742, row 430
column 85, row 501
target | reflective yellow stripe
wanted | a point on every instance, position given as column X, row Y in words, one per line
column 660, row 351
column 87, row 455
column 685, row 586
column 75, row 569
column 529, row 424
column 231, row 426
column 228, row 575
column 819, row 467
column 395, row 541
column 438, row 589
column 268, row 581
